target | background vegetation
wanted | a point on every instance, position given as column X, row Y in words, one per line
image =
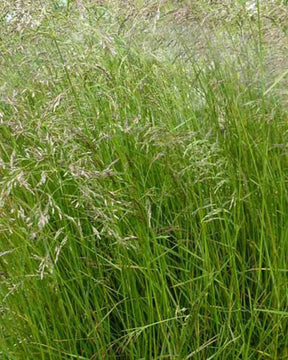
column 143, row 172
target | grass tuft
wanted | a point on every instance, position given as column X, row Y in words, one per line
column 143, row 186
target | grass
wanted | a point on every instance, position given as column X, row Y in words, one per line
column 143, row 172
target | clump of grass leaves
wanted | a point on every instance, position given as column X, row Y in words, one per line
column 143, row 173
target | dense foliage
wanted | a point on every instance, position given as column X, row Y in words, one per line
column 143, row 173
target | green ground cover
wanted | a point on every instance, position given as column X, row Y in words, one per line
column 143, row 180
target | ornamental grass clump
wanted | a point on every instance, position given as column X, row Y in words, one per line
column 143, row 181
